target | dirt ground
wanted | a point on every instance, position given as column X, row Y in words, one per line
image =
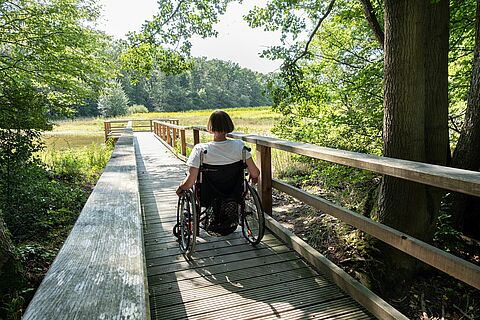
column 430, row 295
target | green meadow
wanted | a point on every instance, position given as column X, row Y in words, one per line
column 80, row 133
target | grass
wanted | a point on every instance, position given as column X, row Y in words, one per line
column 77, row 133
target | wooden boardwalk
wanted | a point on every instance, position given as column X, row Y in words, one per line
column 227, row 278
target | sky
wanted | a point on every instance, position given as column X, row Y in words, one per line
column 236, row 41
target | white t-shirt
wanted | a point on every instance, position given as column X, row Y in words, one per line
column 218, row 153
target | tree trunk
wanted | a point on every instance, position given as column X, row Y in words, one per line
column 467, row 151
column 11, row 275
column 415, row 125
column 436, row 101
column 402, row 202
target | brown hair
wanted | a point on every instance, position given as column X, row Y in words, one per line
column 220, row 121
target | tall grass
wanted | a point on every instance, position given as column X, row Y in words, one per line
column 69, row 135
column 78, row 163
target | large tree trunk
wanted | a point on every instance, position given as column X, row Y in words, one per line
column 467, row 152
column 414, row 125
column 11, row 275
column 436, row 101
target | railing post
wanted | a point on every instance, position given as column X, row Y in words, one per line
column 106, row 126
column 183, row 142
column 264, row 159
column 169, row 137
column 151, row 125
column 174, row 137
column 196, row 136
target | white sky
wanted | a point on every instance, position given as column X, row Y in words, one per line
column 236, row 41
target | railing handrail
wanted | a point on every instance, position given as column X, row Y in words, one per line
column 454, row 179
column 100, row 271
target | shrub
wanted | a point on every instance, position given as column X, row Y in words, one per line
column 137, row 108
column 113, row 101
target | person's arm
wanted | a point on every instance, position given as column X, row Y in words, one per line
column 253, row 171
column 189, row 180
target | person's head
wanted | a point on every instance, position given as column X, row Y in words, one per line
column 220, row 121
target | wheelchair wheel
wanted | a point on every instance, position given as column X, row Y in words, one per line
column 186, row 223
column 252, row 219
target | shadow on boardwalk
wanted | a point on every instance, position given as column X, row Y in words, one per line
column 227, row 278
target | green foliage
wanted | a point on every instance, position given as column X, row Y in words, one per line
column 113, row 102
column 81, row 164
column 462, row 44
column 51, row 196
column 446, row 235
column 38, row 200
column 208, row 84
column 137, row 108
column 333, row 97
column 141, row 59
column 47, row 49
column 12, row 310
column 173, row 26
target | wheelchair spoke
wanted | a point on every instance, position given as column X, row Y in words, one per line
column 252, row 217
column 186, row 223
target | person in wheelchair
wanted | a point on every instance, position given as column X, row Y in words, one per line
column 218, row 166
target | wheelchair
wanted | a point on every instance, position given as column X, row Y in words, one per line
column 220, row 200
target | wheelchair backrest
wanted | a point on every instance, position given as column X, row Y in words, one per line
column 221, row 182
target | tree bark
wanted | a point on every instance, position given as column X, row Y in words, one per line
column 373, row 21
column 11, row 275
column 436, row 100
column 404, row 97
column 467, row 152
column 415, row 124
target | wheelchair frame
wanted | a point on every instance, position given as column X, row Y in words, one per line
column 189, row 214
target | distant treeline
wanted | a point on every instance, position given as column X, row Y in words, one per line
column 208, row 84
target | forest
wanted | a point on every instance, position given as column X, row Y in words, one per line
column 399, row 79
column 207, row 84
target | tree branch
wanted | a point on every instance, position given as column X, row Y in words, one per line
column 305, row 51
column 373, row 21
column 152, row 35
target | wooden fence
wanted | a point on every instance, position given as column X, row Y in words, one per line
column 114, row 128
column 458, row 180
column 100, row 271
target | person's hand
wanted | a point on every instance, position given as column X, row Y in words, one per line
column 253, row 179
column 179, row 191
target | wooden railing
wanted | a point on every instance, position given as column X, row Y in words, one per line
column 100, row 271
column 458, row 180
column 114, row 128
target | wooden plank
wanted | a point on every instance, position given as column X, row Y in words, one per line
column 454, row 179
column 209, row 247
column 446, row 262
column 373, row 303
column 243, row 258
column 260, row 274
column 217, row 254
column 190, row 278
column 99, row 272
column 183, row 146
column 208, row 289
column 173, row 274
column 256, row 302
column 338, row 309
